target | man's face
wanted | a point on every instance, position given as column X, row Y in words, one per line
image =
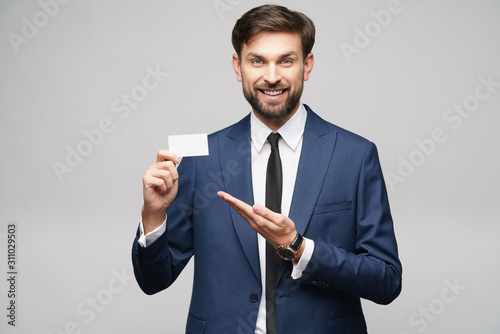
column 272, row 71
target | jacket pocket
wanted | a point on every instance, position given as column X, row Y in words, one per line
column 348, row 325
column 195, row 325
column 332, row 207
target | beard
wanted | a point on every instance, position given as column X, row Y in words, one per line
column 274, row 109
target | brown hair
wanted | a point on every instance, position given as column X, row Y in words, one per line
column 273, row 18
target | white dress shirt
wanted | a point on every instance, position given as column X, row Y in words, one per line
column 290, row 146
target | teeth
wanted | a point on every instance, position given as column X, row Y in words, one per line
column 272, row 92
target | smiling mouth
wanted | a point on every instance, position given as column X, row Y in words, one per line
column 272, row 92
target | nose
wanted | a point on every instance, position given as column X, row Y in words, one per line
column 272, row 75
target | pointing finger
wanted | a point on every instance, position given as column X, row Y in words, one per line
column 238, row 205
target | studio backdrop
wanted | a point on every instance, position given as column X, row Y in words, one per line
column 91, row 90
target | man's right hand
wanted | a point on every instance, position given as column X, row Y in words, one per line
column 160, row 184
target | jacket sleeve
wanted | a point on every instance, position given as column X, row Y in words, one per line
column 371, row 269
column 157, row 266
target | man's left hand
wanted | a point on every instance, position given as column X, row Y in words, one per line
column 276, row 228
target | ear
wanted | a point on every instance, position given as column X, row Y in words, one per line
column 237, row 67
column 308, row 66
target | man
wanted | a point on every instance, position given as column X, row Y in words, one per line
column 330, row 221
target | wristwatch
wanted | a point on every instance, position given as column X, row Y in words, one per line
column 289, row 252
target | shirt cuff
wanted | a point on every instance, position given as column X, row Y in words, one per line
column 299, row 267
column 147, row 239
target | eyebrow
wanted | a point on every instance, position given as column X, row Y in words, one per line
column 285, row 55
column 289, row 54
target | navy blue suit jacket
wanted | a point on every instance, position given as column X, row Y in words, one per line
column 339, row 201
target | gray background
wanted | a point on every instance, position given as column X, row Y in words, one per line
column 75, row 232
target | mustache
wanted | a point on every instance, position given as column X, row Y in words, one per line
column 275, row 86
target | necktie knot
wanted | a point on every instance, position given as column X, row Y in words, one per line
column 273, row 139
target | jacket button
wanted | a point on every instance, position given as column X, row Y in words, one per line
column 254, row 298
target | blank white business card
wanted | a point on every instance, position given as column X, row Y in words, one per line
column 189, row 145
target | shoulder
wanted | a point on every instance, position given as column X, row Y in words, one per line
column 233, row 131
column 320, row 127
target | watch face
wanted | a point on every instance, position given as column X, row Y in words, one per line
column 286, row 253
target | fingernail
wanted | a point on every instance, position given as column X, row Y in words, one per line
column 257, row 208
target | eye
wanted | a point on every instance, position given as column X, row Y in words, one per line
column 257, row 62
column 287, row 61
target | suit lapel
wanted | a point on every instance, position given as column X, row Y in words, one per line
column 317, row 148
column 235, row 148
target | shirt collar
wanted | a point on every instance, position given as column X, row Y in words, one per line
column 291, row 131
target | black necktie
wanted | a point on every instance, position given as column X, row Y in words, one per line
column 274, row 186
